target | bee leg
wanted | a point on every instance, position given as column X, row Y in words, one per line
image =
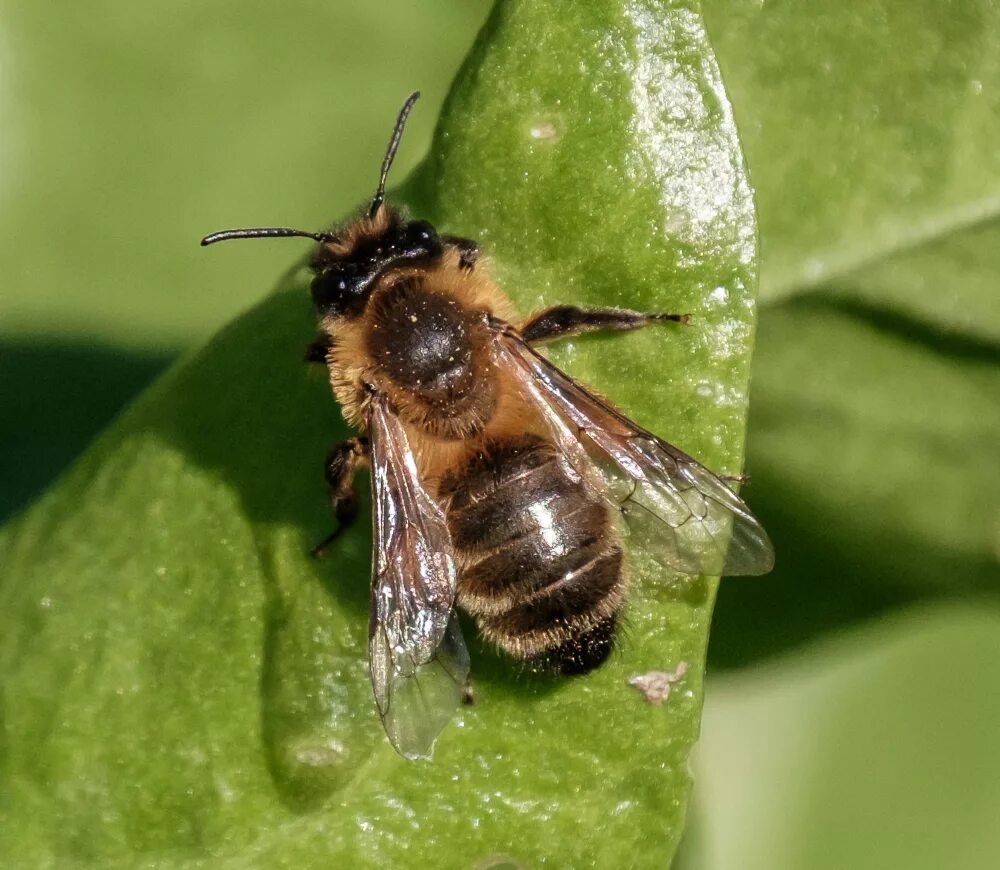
column 468, row 250
column 562, row 321
column 317, row 349
column 342, row 462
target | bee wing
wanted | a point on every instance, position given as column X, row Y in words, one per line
column 675, row 509
column 419, row 663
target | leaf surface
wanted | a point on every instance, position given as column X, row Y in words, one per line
column 184, row 687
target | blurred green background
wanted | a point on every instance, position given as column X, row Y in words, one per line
column 854, row 696
column 130, row 131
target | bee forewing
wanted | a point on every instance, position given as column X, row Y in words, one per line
column 674, row 508
column 419, row 699
column 419, row 664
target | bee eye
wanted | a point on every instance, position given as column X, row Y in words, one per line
column 335, row 291
column 420, row 233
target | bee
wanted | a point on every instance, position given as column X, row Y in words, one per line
column 500, row 485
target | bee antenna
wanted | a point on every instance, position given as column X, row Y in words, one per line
column 264, row 233
column 390, row 152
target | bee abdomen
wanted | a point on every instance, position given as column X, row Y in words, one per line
column 569, row 625
column 543, row 566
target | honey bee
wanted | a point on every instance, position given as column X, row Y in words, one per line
column 499, row 484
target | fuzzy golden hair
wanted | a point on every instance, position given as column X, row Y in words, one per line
column 365, row 227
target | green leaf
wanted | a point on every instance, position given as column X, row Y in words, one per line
column 181, row 684
column 870, row 131
column 874, row 462
column 936, row 511
column 870, row 128
column 874, row 749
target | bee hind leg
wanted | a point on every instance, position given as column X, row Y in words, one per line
column 563, row 321
column 342, row 462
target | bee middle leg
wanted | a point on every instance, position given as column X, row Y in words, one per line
column 342, row 462
column 563, row 321
column 468, row 694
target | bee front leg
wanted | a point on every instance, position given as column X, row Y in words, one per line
column 467, row 249
column 563, row 321
column 342, row 462
column 318, row 348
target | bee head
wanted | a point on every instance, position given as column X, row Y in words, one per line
column 348, row 263
column 348, row 267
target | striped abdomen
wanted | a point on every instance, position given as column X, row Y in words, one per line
column 542, row 562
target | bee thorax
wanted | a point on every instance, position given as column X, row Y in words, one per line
column 433, row 358
column 422, row 342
